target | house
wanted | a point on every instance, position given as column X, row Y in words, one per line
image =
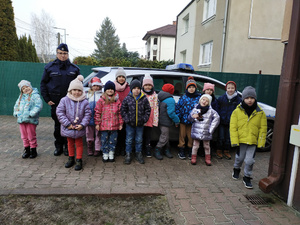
column 231, row 36
column 160, row 43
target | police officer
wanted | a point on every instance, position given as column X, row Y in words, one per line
column 54, row 85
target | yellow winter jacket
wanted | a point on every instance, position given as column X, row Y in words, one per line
column 248, row 130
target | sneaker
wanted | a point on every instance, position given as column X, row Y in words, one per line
column 105, row 157
column 227, row 155
column 236, row 173
column 157, row 153
column 148, row 154
column 247, row 182
column 111, row 157
column 219, row 154
column 168, row 153
column 181, row 153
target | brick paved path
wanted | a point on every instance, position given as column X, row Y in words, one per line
column 196, row 194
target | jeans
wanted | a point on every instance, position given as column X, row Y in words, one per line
column 109, row 140
column 134, row 134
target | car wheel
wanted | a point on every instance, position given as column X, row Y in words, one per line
column 269, row 137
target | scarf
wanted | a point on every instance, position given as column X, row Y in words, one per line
column 148, row 92
column 231, row 96
column 249, row 109
column 203, row 110
column 120, row 87
column 192, row 95
column 79, row 99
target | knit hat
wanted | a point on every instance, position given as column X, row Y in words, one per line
column 63, row 47
column 148, row 80
column 230, row 82
column 248, row 92
column 24, row 83
column 206, row 96
column 109, row 85
column 95, row 81
column 120, row 72
column 76, row 83
column 208, row 86
column 190, row 81
column 135, row 83
column 168, row 88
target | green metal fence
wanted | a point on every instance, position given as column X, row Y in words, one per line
column 266, row 85
column 11, row 73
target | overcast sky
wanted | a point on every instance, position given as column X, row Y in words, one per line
column 81, row 19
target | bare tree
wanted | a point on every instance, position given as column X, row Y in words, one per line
column 43, row 35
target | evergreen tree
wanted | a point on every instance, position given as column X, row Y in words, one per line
column 9, row 39
column 106, row 40
column 26, row 50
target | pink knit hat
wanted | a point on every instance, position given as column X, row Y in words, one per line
column 148, row 80
column 209, row 86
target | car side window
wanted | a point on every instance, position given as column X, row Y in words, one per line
column 159, row 81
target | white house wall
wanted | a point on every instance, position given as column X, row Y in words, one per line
column 185, row 40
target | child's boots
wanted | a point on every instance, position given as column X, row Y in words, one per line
column 194, row 159
column 207, row 160
column 33, row 153
column 71, row 162
column 157, row 153
column 219, row 154
column 90, row 146
column 26, row 153
column 181, row 153
column 78, row 165
column 227, row 154
column 105, row 157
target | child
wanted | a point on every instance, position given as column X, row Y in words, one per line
column 27, row 109
column 135, row 111
column 167, row 117
column 148, row 90
column 183, row 108
column 93, row 135
column 209, row 88
column 248, row 129
column 122, row 89
column 74, row 114
column 227, row 103
column 205, row 121
column 108, row 120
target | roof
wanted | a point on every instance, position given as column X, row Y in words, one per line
column 166, row 31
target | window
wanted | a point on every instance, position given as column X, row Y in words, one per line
column 155, row 41
column 186, row 23
column 206, row 53
column 183, row 56
column 209, row 9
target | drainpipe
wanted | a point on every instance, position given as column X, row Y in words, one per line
column 224, row 36
column 285, row 104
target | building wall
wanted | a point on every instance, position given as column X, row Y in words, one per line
column 248, row 47
column 253, row 44
column 165, row 48
column 185, row 40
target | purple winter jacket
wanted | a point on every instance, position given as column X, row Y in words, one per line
column 66, row 114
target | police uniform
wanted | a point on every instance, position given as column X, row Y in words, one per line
column 54, row 86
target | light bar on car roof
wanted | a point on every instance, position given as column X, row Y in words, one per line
column 180, row 66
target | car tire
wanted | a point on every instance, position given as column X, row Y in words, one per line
column 270, row 130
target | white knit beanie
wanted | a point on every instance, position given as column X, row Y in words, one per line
column 206, row 96
column 76, row 83
column 24, row 83
column 120, row 72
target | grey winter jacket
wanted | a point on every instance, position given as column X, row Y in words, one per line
column 203, row 130
column 66, row 114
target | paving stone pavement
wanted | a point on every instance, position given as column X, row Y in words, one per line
column 197, row 194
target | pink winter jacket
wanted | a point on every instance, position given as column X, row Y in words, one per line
column 153, row 101
column 108, row 116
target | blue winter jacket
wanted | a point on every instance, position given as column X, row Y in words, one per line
column 226, row 107
column 28, row 110
column 185, row 106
